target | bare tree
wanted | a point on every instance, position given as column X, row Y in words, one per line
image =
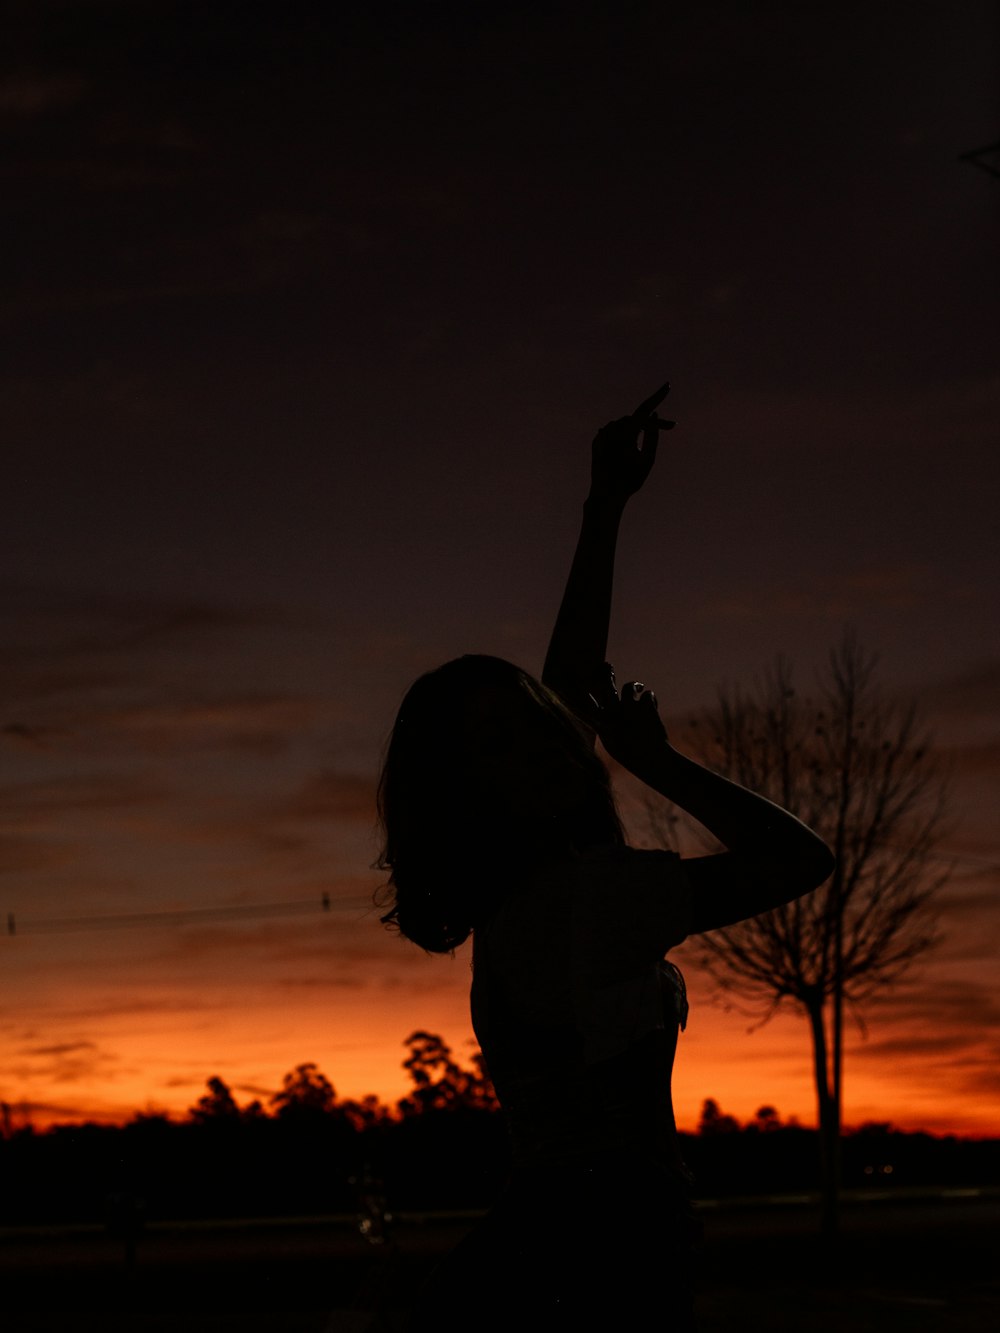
column 857, row 767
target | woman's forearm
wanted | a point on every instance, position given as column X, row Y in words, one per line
column 771, row 857
column 619, row 466
column 580, row 637
column 742, row 820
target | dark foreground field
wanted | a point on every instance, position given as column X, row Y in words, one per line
column 925, row 1265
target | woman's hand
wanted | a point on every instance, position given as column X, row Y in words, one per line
column 628, row 723
column 618, row 465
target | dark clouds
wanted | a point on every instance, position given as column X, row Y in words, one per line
column 80, row 1062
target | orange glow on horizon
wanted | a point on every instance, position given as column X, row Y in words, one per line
column 109, row 1023
column 362, row 1054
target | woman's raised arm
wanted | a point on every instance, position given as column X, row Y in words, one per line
column 619, row 466
column 771, row 856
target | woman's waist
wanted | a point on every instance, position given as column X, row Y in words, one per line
column 583, row 1126
column 622, row 1182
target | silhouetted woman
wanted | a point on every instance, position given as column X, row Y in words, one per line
column 499, row 822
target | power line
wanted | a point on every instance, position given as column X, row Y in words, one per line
column 18, row 925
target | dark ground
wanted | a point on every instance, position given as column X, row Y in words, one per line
column 921, row 1264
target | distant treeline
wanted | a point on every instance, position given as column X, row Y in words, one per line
column 441, row 1146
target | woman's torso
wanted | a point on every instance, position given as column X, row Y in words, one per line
column 577, row 1015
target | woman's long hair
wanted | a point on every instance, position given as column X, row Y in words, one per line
column 451, row 841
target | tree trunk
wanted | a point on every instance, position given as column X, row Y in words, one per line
column 837, row 1104
column 827, row 1118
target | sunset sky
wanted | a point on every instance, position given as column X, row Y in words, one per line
column 310, row 313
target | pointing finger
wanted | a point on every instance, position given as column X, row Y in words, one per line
column 649, row 405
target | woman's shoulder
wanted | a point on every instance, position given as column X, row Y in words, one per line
column 617, row 859
column 614, row 880
column 602, row 867
column 638, row 895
